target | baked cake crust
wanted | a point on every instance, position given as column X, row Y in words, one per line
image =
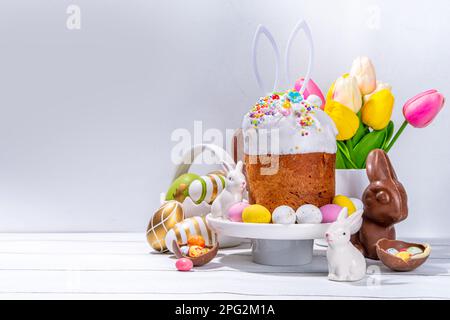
column 307, row 178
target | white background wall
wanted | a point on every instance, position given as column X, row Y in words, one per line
column 86, row 115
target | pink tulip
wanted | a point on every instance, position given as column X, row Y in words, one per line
column 421, row 109
column 311, row 88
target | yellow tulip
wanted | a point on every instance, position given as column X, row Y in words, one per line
column 380, row 86
column 346, row 92
column 377, row 111
column 364, row 73
column 346, row 121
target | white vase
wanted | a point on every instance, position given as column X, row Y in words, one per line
column 351, row 182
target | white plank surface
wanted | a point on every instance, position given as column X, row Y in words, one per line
column 122, row 266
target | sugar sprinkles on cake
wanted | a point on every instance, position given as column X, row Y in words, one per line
column 283, row 104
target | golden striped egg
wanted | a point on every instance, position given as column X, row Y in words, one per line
column 189, row 227
column 164, row 219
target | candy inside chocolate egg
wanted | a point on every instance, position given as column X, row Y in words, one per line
column 398, row 262
column 198, row 260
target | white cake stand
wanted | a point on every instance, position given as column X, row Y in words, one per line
column 274, row 244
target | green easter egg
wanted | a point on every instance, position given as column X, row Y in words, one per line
column 179, row 188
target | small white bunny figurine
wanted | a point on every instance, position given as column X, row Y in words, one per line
column 234, row 189
column 345, row 262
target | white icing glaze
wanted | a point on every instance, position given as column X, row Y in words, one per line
column 278, row 130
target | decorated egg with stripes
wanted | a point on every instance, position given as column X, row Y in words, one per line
column 206, row 188
column 189, row 227
column 164, row 219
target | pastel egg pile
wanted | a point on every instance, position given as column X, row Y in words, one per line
column 307, row 213
column 406, row 253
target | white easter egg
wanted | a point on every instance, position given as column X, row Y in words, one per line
column 189, row 227
column 314, row 100
column 309, row 213
column 357, row 203
column 283, row 215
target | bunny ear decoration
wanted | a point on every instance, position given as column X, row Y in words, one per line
column 355, row 221
column 343, row 214
column 301, row 25
column 227, row 166
column 379, row 167
column 262, row 30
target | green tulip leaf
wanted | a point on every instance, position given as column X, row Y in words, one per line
column 349, row 145
column 372, row 140
column 389, row 132
column 360, row 133
column 340, row 162
column 346, row 155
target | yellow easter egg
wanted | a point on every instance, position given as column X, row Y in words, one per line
column 344, row 201
column 256, row 213
column 404, row 255
column 164, row 219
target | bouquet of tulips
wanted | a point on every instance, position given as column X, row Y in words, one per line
column 361, row 107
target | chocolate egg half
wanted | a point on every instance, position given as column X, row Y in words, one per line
column 396, row 263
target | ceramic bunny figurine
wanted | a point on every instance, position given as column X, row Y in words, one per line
column 385, row 204
column 345, row 262
column 235, row 187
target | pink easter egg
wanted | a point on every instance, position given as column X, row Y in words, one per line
column 235, row 211
column 311, row 88
column 184, row 264
column 330, row 212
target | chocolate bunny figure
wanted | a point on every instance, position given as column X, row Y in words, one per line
column 385, row 204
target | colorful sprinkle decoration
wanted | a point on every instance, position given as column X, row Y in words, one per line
column 283, row 104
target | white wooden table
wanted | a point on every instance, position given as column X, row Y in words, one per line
column 122, row 266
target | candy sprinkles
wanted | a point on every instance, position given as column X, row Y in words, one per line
column 284, row 104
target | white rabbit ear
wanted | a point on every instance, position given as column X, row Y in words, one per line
column 239, row 165
column 301, row 25
column 259, row 31
column 227, row 166
column 343, row 214
column 355, row 221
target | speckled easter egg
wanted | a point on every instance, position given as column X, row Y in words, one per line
column 195, row 251
column 392, row 251
column 283, row 215
column 404, row 255
column 256, row 213
column 179, row 189
column 196, row 240
column 309, row 213
column 346, row 202
column 184, row 264
column 414, row 250
column 184, row 250
column 330, row 212
column 235, row 211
